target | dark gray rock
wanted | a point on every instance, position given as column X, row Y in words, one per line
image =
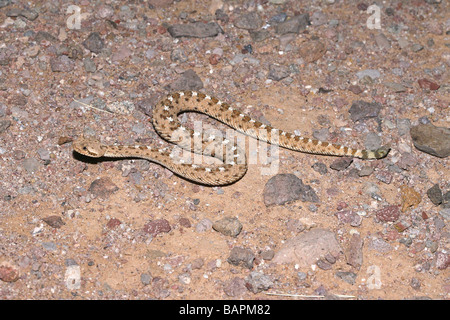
column 94, row 43
column 435, row 194
column 431, row 139
column 189, row 80
column 349, row 277
column 341, row 163
column 241, row 256
column 195, row 30
column 103, row 187
column 249, row 21
column 362, row 110
column 284, row 188
column 258, row 281
column 293, row 25
column 277, row 72
column 4, row 125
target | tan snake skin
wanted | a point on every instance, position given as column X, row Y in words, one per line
column 166, row 123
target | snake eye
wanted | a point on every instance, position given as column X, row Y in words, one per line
column 85, row 148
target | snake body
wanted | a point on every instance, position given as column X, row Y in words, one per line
column 166, row 123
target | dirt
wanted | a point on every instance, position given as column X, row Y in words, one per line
column 104, row 237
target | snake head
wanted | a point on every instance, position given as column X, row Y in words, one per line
column 88, row 147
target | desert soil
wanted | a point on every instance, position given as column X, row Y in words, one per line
column 77, row 228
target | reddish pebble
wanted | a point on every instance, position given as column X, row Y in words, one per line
column 388, row 213
column 8, row 272
column 157, row 226
column 185, row 222
column 427, row 84
column 161, row 30
column 214, row 59
column 112, row 223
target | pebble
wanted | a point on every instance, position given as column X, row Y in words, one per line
column 62, row 64
column 203, row 225
column 27, row 14
column 372, row 73
column 384, row 176
column 416, row 47
column 268, row 254
column 189, row 80
column 388, row 213
column 365, row 171
column 442, row 260
column 157, row 226
column 347, row 276
column 54, row 221
column 431, row 139
column 184, row 222
column 324, row 265
column 353, row 251
column 103, row 187
column 295, row 24
column 445, row 213
column 89, row 65
column 403, row 126
column 258, row 281
column 259, row 35
column 427, row 84
column 146, row 279
column 113, row 223
column 31, row 165
column 8, row 272
column 320, row 167
column 341, row 163
column 355, row 89
column 278, row 18
column 104, row 11
column 295, row 225
column 195, row 30
column 178, row 55
column 228, row 226
column 235, row 287
column 121, row 54
column 241, row 256
column 277, row 72
column 308, row 247
column 382, row 42
column 379, row 245
column 4, row 125
column 409, row 197
column 312, row 51
column 43, row 153
column 249, row 21
column 394, row 86
column 349, row 217
column 284, row 188
column 446, row 200
column 362, row 110
column 94, row 43
column 318, row 18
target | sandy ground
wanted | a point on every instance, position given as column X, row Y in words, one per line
column 104, row 249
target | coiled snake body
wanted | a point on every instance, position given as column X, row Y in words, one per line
column 166, row 123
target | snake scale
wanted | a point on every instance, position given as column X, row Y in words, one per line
column 234, row 166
